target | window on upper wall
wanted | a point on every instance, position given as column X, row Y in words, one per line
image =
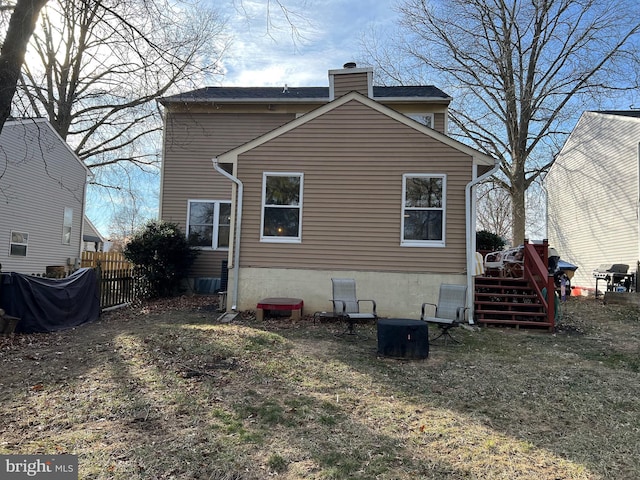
column 423, row 210
column 282, row 207
column 19, row 244
column 423, row 118
column 67, row 223
column 209, row 223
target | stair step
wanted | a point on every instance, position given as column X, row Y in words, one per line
column 505, row 295
column 509, row 307
column 499, row 280
column 508, row 301
column 494, row 321
column 510, row 313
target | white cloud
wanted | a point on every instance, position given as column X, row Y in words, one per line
column 270, row 55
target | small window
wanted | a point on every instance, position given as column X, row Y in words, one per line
column 209, row 223
column 67, row 223
column 282, row 207
column 19, row 243
column 423, row 210
column 423, row 118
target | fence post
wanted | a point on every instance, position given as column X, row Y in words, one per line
column 98, row 270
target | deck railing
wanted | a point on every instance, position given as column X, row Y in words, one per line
column 536, row 272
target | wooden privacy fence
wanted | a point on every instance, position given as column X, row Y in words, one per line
column 120, row 287
column 119, row 281
column 107, row 260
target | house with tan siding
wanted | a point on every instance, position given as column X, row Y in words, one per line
column 593, row 192
column 294, row 186
column 42, row 186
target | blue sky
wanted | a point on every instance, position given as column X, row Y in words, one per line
column 268, row 55
column 330, row 32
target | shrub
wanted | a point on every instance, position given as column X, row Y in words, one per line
column 486, row 240
column 163, row 254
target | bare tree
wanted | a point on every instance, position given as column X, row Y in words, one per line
column 101, row 65
column 14, row 45
column 494, row 210
column 94, row 69
column 127, row 219
column 520, row 71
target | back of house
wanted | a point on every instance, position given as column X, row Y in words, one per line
column 351, row 180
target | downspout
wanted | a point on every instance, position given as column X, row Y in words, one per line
column 236, row 248
column 471, row 242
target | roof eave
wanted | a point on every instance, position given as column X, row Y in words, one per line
column 246, row 101
column 412, row 99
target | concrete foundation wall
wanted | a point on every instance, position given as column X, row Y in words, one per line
column 396, row 294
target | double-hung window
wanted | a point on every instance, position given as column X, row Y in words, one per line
column 423, row 210
column 281, row 207
column 19, row 244
column 209, row 223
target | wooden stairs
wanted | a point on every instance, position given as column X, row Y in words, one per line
column 508, row 301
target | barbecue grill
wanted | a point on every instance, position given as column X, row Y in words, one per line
column 616, row 275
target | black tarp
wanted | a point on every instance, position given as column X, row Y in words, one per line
column 48, row 305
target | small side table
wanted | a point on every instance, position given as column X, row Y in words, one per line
column 280, row 303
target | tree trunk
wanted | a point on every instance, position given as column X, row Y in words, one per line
column 21, row 26
column 518, row 212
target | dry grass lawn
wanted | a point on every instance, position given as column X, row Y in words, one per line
column 164, row 391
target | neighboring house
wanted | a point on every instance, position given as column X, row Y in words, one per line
column 593, row 194
column 92, row 239
column 42, row 187
column 345, row 181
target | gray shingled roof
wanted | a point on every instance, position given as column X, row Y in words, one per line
column 623, row 113
column 282, row 94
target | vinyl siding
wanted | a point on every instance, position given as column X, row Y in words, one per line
column 593, row 195
column 352, row 194
column 41, row 177
column 348, row 82
column 191, row 141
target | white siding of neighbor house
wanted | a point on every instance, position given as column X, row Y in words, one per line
column 593, row 195
column 41, row 176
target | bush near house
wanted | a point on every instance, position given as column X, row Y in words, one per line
column 162, row 252
column 490, row 242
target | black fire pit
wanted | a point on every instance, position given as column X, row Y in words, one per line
column 403, row 338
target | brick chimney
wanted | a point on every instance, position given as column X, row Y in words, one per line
column 350, row 78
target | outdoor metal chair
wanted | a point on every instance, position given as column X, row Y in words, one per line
column 450, row 311
column 346, row 304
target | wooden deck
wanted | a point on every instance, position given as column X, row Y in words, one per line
column 519, row 301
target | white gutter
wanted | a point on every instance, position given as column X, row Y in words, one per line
column 236, row 248
column 471, row 237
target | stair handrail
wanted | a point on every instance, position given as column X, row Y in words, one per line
column 537, row 274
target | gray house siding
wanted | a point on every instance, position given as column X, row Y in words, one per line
column 41, row 177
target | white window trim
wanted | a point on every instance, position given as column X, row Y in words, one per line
column 425, row 243
column 26, row 244
column 271, row 239
column 216, row 223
